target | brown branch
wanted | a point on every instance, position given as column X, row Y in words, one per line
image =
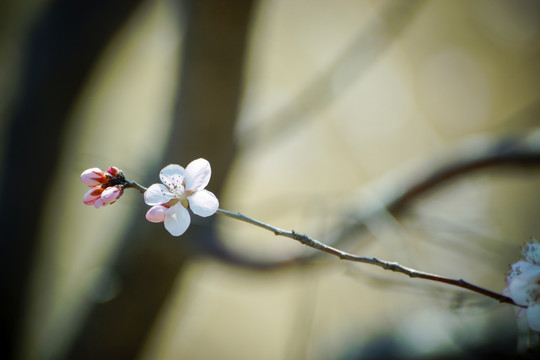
column 386, row 265
column 134, row 185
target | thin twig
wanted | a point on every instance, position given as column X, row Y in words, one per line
column 134, row 185
column 386, row 265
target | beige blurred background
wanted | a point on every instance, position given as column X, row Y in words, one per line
column 337, row 96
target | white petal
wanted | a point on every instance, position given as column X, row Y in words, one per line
column 157, row 194
column 197, row 174
column 524, row 288
column 531, row 252
column 172, row 176
column 203, row 203
column 177, row 220
column 533, row 315
column 518, row 292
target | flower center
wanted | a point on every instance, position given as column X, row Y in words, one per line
column 181, row 194
column 182, row 197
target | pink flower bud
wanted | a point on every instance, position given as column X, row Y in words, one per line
column 94, row 176
column 113, row 170
column 98, row 203
column 111, row 194
column 156, row 214
column 92, row 195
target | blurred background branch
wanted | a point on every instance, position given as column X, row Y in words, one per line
column 59, row 54
column 400, row 190
column 376, row 36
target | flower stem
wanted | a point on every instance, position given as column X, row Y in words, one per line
column 134, row 185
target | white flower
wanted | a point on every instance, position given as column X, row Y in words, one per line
column 524, row 284
column 181, row 189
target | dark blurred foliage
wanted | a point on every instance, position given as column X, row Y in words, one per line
column 61, row 48
column 58, row 55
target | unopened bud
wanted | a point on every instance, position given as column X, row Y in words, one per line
column 94, row 176
column 92, row 195
column 113, row 170
column 111, row 194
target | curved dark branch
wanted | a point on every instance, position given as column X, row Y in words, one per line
column 372, row 41
column 516, row 151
